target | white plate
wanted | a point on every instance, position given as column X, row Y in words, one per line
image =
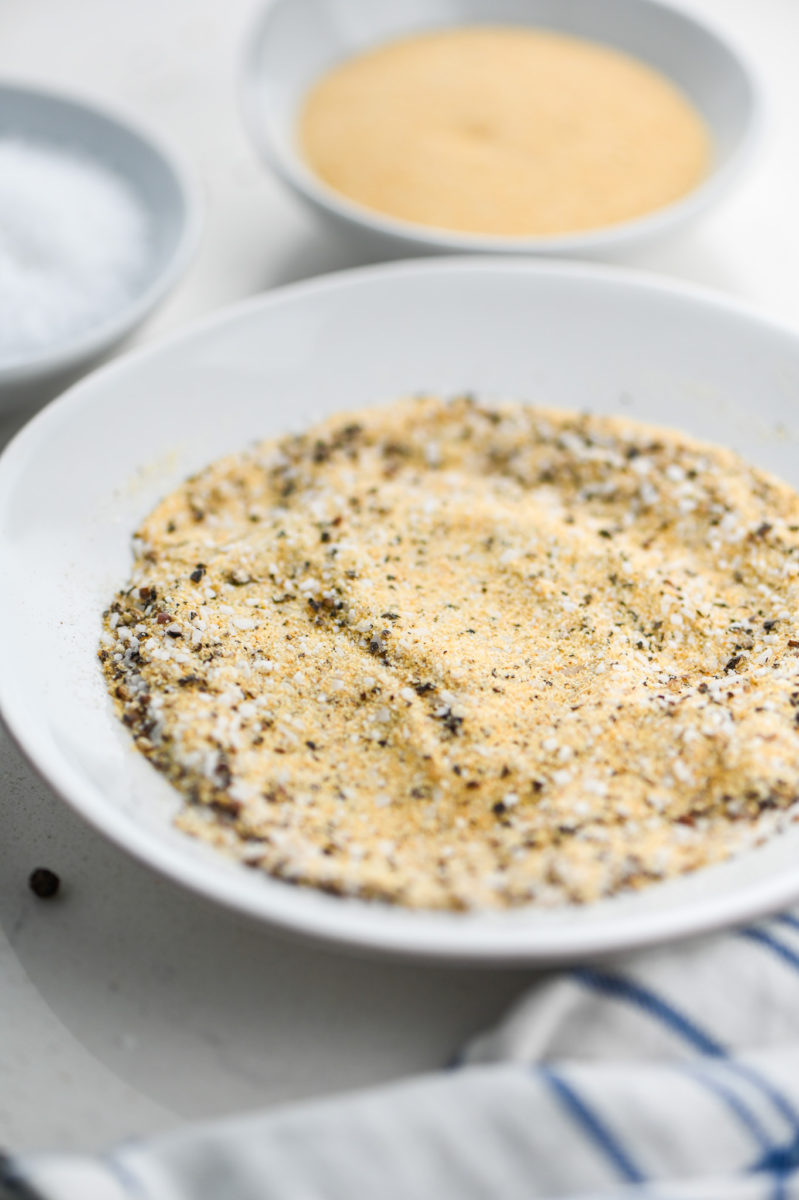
column 293, row 42
column 77, row 480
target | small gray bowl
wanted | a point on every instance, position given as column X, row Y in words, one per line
column 294, row 41
column 159, row 184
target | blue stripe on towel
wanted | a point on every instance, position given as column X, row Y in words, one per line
column 788, row 919
column 779, row 1161
column 782, row 951
column 781, row 1165
column 592, row 1124
column 777, row 1098
column 782, row 1159
column 634, row 993
column 127, row 1182
column 643, row 998
column 733, row 1102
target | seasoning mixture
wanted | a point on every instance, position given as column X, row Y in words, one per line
column 73, row 246
column 506, row 131
column 455, row 656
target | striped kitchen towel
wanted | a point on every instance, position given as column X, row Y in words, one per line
column 669, row 1074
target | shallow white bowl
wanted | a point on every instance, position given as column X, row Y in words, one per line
column 294, row 41
column 157, row 181
column 82, row 474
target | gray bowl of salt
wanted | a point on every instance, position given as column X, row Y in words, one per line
column 97, row 221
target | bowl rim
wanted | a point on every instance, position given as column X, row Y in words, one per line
column 427, row 937
column 68, row 355
column 300, row 178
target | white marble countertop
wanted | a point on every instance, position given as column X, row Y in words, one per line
column 127, row 1005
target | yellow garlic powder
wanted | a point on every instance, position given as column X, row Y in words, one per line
column 455, row 656
column 506, row 131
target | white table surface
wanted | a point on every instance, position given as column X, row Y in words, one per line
column 127, row 1006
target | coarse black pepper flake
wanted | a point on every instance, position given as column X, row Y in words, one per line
column 448, row 719
column 44, row 883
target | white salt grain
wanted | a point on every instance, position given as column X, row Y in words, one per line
column 73, row 246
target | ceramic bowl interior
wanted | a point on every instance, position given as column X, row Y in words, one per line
column 295, row 41
column 156, row 180
column 81, row 476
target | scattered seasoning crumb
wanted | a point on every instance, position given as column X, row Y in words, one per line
column 44, row 883
column 624, row 709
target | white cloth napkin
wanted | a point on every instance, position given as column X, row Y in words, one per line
column 670, row 1074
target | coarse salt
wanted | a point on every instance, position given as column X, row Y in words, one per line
column 73, row 246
